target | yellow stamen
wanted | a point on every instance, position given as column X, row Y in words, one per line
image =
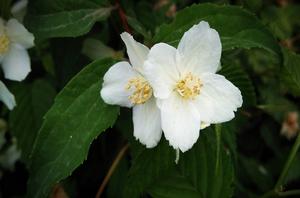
column 142, row 91
column 4, row 43
column 189, row 87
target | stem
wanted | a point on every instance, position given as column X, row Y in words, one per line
column 289, row 193
column 218, row 137
column 271, row 193
column 288, row 163
column 278, row 186
column 123, row 17
column 111, row 170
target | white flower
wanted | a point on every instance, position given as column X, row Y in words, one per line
column 125, row 85
column 188, row 91
column 14, row 40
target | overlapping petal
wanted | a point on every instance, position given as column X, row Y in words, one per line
column 19, row 34
column 180, row 122
column 16, row 63
column 114, row 86
column 161, row 70
column 199, row 50
column 218, row 100
column 147, row 123
column 136, row 51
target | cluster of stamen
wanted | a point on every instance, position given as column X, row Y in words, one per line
column 4, row 43
column 189, row 87
column 142, row 91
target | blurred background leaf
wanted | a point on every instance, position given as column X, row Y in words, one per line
column 237, row 27
column 66, row 18
column 72, row 33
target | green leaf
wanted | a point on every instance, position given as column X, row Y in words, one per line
column 235, row 74
column 33, row 101
column 255, row 172
column 274, row 104
column 204, row 171
column 77, row 117
column 95, row 49
column 290, row 72
column 60, row 20
column 282, row 20
column 138, row 27
column 237, row 27
column 147, row 167
column 253, row 5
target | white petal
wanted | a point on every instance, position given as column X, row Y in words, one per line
column 16, row 63
column 136, row 51
column 147, row 123
column 161, row 70
column 180, row 122
column 19, row 34
column 114, row 84
column 18, row 10
column 218, row 99
column 199, row 50
column 6, row 97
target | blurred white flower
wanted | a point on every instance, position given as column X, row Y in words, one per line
column 14, row 42
column 188, row 92
column 125, row 85
column 14, row 58
column 10, row 156
column 6, row 97
column 290, row 125
column 19, row 9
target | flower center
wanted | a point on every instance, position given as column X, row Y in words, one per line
column 4, row 43
column 142, row 91
column 189, row 87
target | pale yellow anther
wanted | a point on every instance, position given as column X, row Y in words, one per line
column 4, row 43
column 189, row 87
column 142, row 91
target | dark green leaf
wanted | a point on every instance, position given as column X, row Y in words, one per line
column 283, row 21
column 237, row 27
column 138, row 27
column 77, row 117
column 33, row 101
column 64, row 18
column 256, row 173
column 290, row 72
column 147, row 167
column 275, row 104
column 204, row 171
